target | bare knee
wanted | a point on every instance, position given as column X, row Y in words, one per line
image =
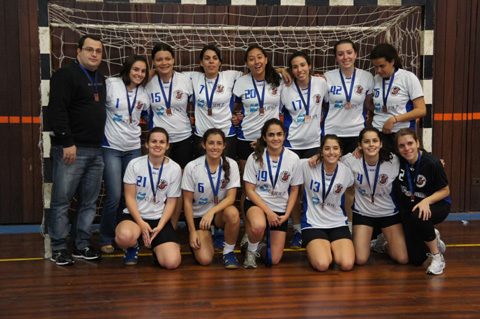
column 346, row 265
column 170, row 263
column 125, row 239
column 361, row 260
column 203, row 259
column 320, row 265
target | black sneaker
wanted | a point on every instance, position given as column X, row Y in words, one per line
column 88, row 253
column 62, row 257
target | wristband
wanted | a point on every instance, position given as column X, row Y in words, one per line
column 395, row 117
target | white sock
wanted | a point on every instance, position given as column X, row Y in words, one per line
column 297, row 228
column 252, row 246
column 228, row 248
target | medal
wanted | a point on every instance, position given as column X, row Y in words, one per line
column 325, row 193
column 307, row 103
column 169, row 100
column 262, row 99
column 307, row 118
column 384, row 108
column 169, row 112
column 274, row 181
column 155, row 187
column 411, row 185
column 210, row 98
column 348, row 93
column 94, row 84
column 262, row 111
column 210, row 112
column 214, row 189
column 130, row 119
column 377, row 170
column 97, row 98
column 385, row 95
column 132, row 105
column 215, row 200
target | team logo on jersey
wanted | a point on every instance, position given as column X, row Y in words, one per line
column 160, row 111
column 253, row 108
column 338, row 104
column 421, row 181
column 200, row 103
column 163, row 184
column 273, row 91
column 141, row 196
column 202, row 201
column 285, row 175
column 178, row 95
column 139, row 105
column 220, row 89
column 117, row 117
column 264, row 187
column 223, row 184
column 382, row 179
column 317, row 98
column 315, row 200
column 395, row 90
column 337, row 188
column 301, row 118
column 358, row 89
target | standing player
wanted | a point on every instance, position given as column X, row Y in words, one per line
column 209, row 186
column 324, row 223
column 77, row 116
column 302, row 111
column 374, row 173
column 126, row 99
column 398, row 95
column 272, row 178
column 422, row 193
column 152, row 186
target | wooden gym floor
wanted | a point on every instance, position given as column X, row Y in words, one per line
column 32, row 287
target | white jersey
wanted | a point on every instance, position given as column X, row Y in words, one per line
column 383, row 204
column 195, row 180
column 251, row 125
column 337, row 119
column 330, row 214
column 222, row 102
column 404, row 89
column 178, row 123
column 119, row 133
column 289, row 175
column 303, row 133
column 169, row 187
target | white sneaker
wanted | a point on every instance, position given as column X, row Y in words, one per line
column 244, row 243
column 440, row 244
column 380, row 244
column 250, row 261
column 437, row 265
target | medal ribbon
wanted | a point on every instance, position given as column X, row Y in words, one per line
column 274, row 182
column 377, row 170
column 95, row 84
column 210, row 100
column 385, row 96
column 325, row 195
column 215, row 190
column 154, row 188
column 307, row 105
column 348, row 94
column 262, row 99
column 411, row 186
column 131, row 107
column 167, row 101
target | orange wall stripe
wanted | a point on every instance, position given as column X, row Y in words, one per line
column 20, row 119
column 456, row 116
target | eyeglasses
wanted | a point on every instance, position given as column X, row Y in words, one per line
column 91, row 50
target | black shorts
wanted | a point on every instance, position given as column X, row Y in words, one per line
column 307, row 153
column 244, row 149
column 376, row 222
column 196, row 222
column 283, row 227
column 349, row 144
column 230, row 150
column 330, row 234
column 167, row 234
column 181, row 152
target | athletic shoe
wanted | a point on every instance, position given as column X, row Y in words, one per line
column 380, row 244
column 440, row 244
column 87, row 253
column 251, row 259
column 437, row 265
column 230, row 261
column 296, row 242
column 131, row 256
column 244, row 243
column 108, row 249
column 62, row 257
column 218, row 240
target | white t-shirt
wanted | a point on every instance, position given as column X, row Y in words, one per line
column 178, row 123
column 303, row 134
column 222, row 102
column 383, row 204
column 137, row 173
column 337, row 119
column 332, row 213
column 289, row 175
column 251, row 125
column 119, row 133
column 195, row 180
column 405, row 88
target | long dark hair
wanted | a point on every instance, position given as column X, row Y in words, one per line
column 384, row 155
column 127, row 67
column 226, row 164
column 388, row 52
column 325, row 138
column 214, row 49
column 271, row 76
column 261, row 143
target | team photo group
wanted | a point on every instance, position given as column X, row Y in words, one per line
column 295, row 144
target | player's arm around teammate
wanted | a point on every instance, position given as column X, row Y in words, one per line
column 210, row 187
column 152, row 186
